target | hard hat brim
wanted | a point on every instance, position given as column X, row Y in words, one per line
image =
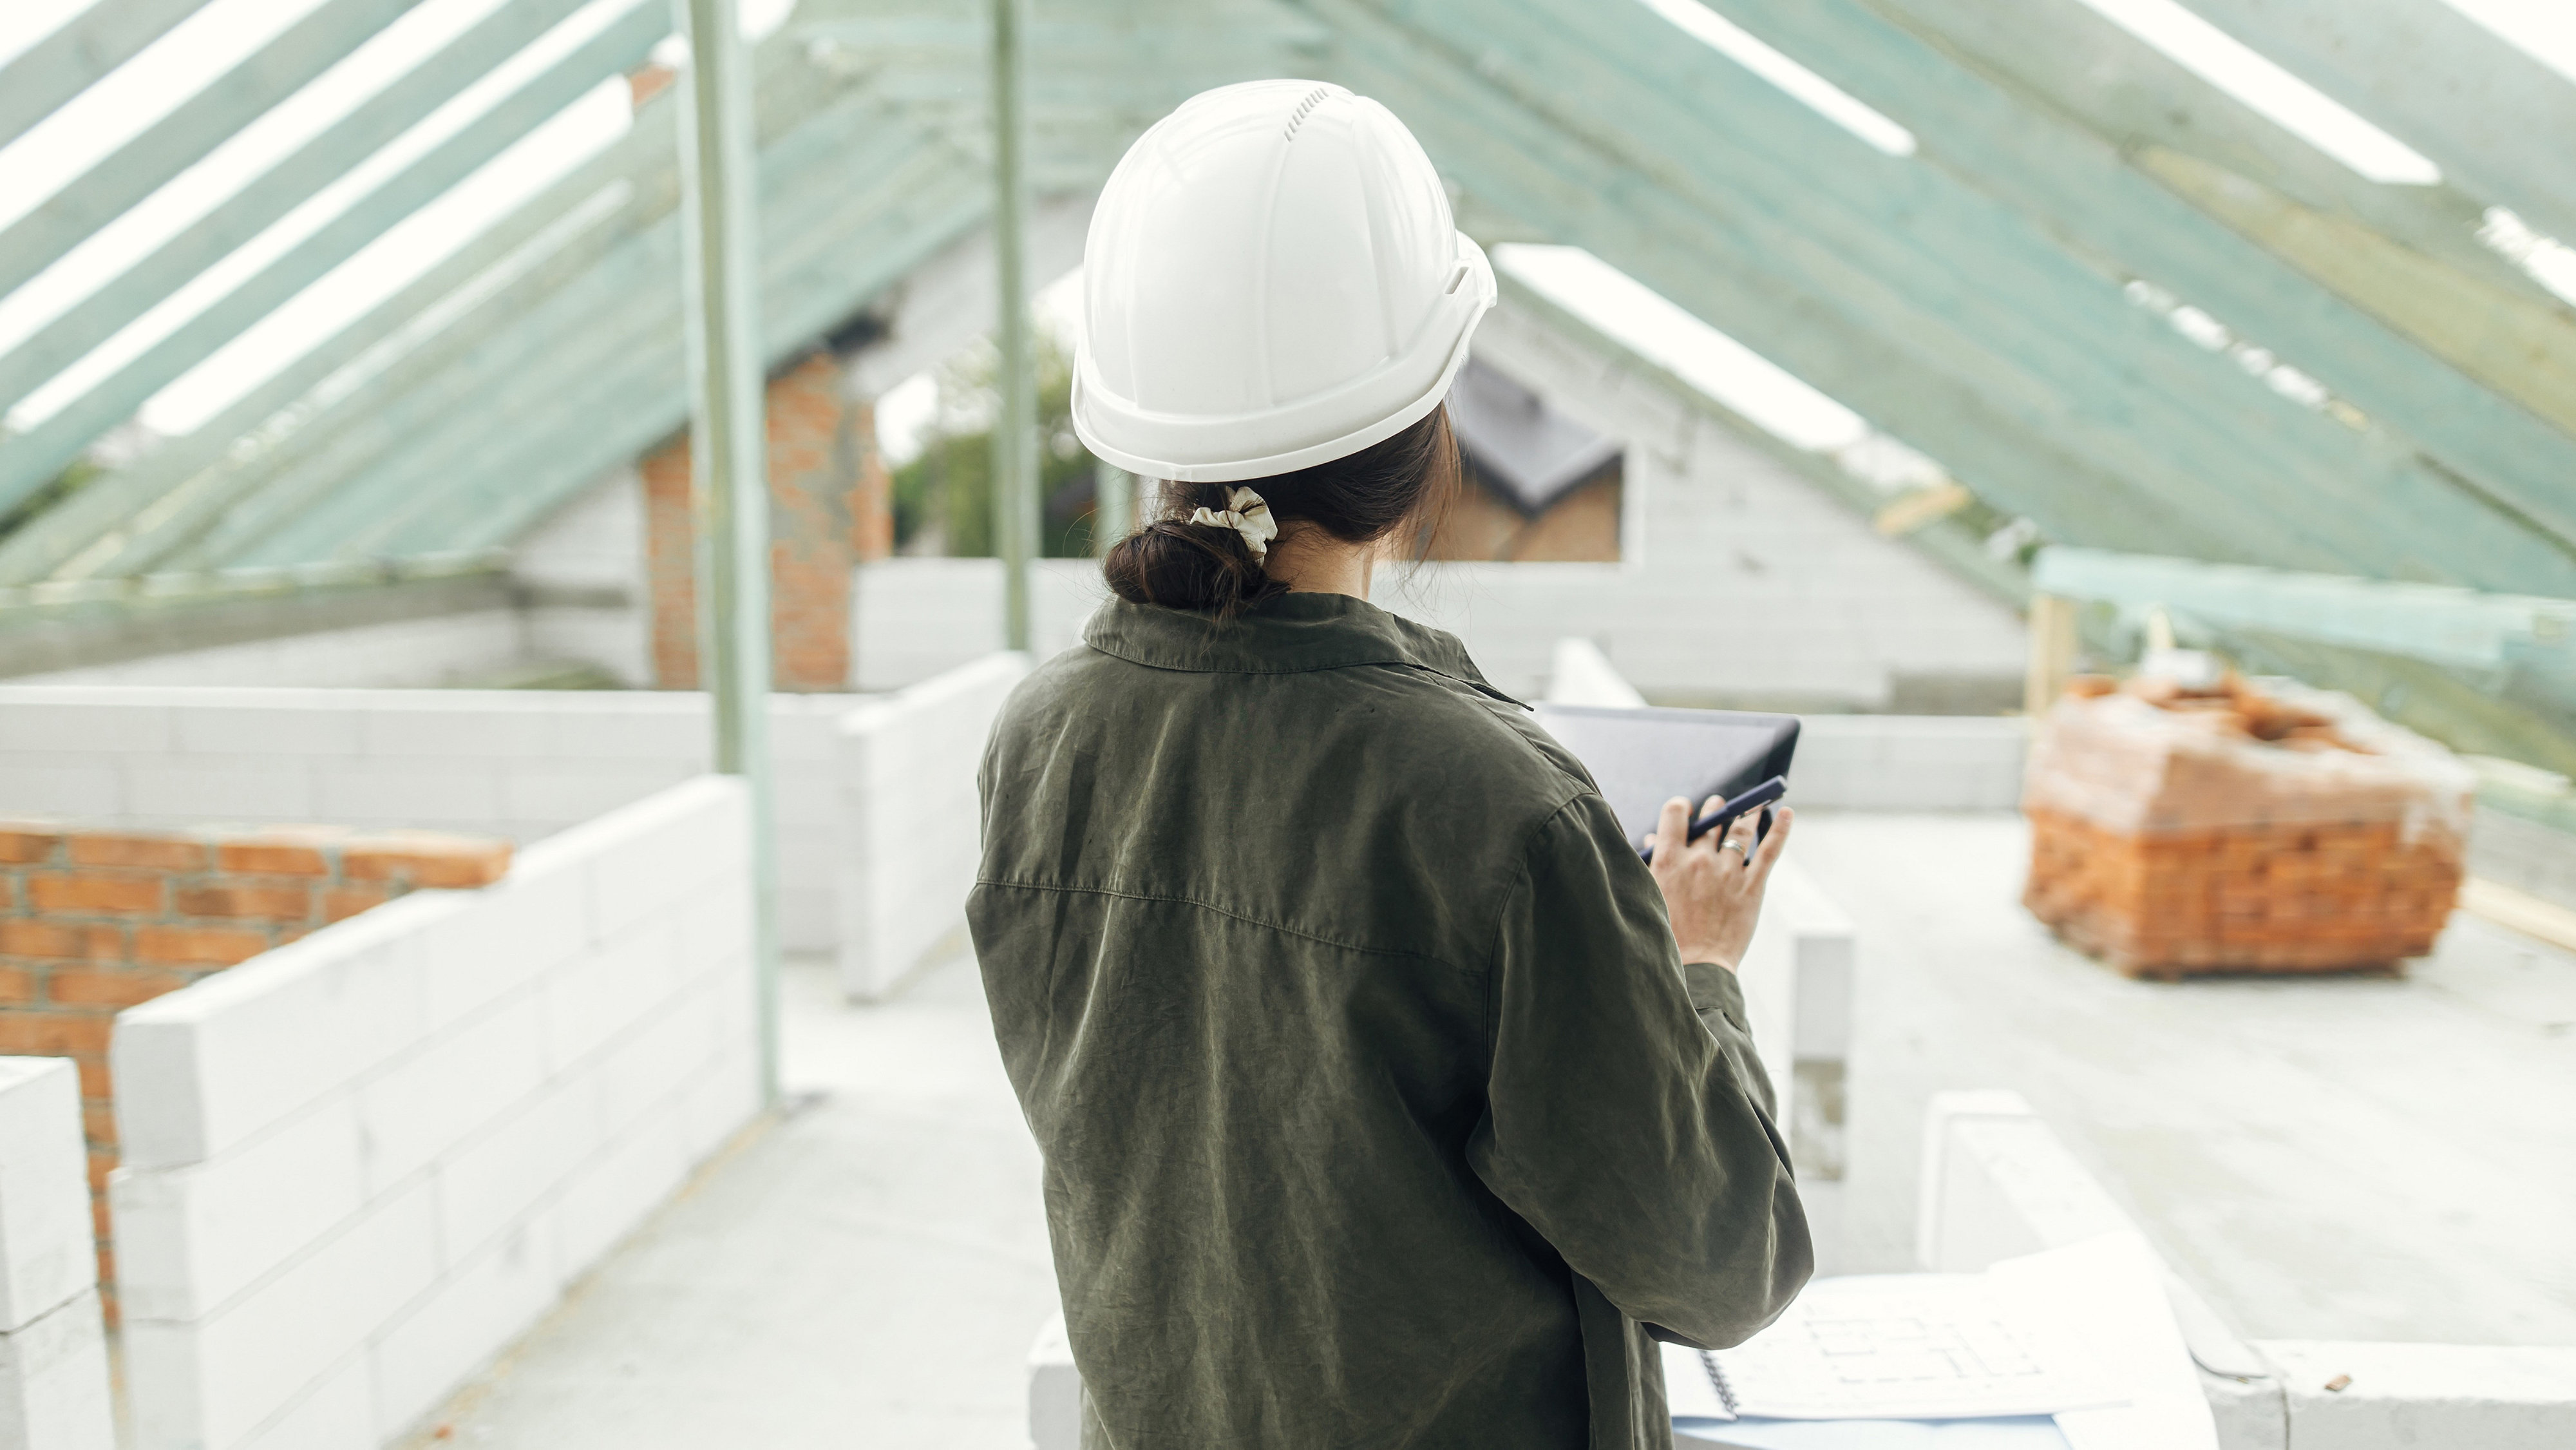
column 1198, row 450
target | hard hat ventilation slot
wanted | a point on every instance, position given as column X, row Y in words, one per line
column 1455, row 279
column 1304, row 109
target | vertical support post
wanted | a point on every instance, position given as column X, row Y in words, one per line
column 2052, row 652
column 1015, row 434
column 727, row 444
column 1113, row 505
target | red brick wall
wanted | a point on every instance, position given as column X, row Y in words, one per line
column 829, row 508
column 95, row 921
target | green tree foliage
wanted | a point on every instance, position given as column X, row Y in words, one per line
column 943, row 500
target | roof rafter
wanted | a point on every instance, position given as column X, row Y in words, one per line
column 30, row 459
column 197, row 126
column 1947, row 318
column 75, row 57
column 2496, row 120
column 2477, row 365
column 275, row 192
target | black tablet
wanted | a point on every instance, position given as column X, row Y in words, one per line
column 1642, row 757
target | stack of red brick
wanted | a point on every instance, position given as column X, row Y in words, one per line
column 93, row 921
column 2239, row 829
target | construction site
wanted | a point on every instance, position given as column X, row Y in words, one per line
column 518, row 518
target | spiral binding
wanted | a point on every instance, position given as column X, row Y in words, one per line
column 1717, row 1377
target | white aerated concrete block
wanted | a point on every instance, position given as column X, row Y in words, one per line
column 612, row 1192
column 430, row 1101
column 206, row 1385
column 205, row 1068
column 336, row 1414
column 54, row 1391
column 474, row 1313
column 300, row 728
column 84, row 785
column 646, row 1069
column 47, row 1256
column 188, row 1239
column 909, row 818
column 55, row 719
column 2386, row 1396
column 233, row 788
column 495, row 1181
column 599, row 996
column 521, row 927
column 724, row 1096
column 363, row 1164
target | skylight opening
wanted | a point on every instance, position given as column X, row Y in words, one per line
column 1654, row 328
column 243, row 158
column 24, row 22
column 2545, row 259
column 2291, row 103
column 135, row 96
column 395, row 260
column 1918, row 489
column 2545, row 30
column 318, row 211
column 1801, row 84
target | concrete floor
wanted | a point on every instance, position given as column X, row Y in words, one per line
column 868, row 1272
column 2325, row 1158
column 2345, row 1158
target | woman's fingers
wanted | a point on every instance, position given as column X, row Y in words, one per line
column 1768, row 853
column 1672, row 830
column 1739, row 834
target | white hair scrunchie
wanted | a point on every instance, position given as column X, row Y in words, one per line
column 1245, row 513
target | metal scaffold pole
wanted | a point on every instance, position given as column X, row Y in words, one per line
column 727, row 452
column 1015, row 434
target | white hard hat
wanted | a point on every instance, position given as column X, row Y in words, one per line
column 1272, row 281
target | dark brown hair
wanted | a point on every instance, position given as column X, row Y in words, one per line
column 1368, row 495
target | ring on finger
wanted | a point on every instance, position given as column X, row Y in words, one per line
column 1737, row 847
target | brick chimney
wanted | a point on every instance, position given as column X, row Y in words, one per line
column 830, row 506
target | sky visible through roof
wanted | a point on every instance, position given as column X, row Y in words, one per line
column 224, row 32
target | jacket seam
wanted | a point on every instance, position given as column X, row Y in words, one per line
column 1390, row 662
column 1245, row 917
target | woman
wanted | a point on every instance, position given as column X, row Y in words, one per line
column 1386, row 1098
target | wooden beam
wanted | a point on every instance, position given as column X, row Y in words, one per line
column 139, row 518
column 397, row 456
column 2457, row 364
column 593, row 388
column 143, row 517
column 275, row 192
column 179, row 140
column 2496, row 120
column 28, row 460
column 2072, row 61
column 1872, row 278
column 2518, row 350
column 2458, row 628
column 78, row 55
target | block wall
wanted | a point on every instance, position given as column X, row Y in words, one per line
column 829, row 507
column 93, row 921
column 916, row 618
column 360, row 1166
column 523, row 764
column 911, row 827
column 53, row 1340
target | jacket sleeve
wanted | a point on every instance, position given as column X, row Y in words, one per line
column 1628, row 1119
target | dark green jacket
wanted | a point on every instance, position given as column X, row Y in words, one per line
column 1377, row 1107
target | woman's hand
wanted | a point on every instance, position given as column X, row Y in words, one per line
column 1713, row 888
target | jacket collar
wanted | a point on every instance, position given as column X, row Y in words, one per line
column 1285, row 634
